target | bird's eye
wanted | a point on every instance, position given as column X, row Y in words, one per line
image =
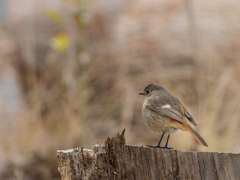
column 147, row 91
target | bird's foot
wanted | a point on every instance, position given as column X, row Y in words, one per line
column 162, row 147
column 169, row 148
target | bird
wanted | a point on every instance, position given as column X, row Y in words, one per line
column 164, row 113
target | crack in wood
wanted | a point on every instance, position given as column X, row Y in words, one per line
column 118, row 161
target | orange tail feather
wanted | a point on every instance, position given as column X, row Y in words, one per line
column 195, row 134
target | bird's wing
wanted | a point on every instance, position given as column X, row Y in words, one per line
column 167, row 110
column 189, row 117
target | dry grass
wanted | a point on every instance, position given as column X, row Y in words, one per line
column 80, row 96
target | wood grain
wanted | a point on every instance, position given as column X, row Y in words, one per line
column 117, row 161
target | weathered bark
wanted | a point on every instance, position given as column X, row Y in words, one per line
column 117, row 161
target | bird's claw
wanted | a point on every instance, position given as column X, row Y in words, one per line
column 160, row 147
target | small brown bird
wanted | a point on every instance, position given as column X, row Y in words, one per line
column 164, row 113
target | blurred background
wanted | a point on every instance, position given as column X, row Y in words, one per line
column 71, row 70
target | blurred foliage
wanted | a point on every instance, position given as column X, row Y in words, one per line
column 83, row 86
column 60, row 41
column 54, row 15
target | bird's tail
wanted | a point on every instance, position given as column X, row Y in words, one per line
column 196, row 135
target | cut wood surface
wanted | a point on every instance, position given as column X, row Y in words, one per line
column 115, row 161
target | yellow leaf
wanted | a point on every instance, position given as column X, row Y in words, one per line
column 60, row 41
column 54, row 15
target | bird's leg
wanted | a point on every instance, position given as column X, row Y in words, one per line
column 158, row 146
column 167, row 143
column 160, row 140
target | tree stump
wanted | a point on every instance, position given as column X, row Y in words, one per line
column 117, row 161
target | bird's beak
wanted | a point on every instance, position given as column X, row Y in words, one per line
column 141, row 93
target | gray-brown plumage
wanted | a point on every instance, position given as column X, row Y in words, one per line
column 164, row 113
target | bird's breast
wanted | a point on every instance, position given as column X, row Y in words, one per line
column 156, row 122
